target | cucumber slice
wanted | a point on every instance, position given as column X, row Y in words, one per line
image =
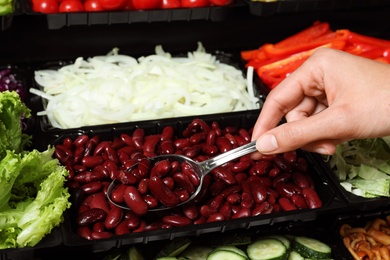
column 311, row 248
column 232, row 249
column 286, row 242
column 295, row 256
column 167, row 258
column 225, row 255
column 236, row 240
column 174, row 248
column 196, row 252
column 267, row 249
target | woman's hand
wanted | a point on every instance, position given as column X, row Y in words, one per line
column 333, row 97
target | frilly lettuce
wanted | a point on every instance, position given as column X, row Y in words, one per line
column 33, row 195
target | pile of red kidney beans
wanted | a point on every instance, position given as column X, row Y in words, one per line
column 238, row 189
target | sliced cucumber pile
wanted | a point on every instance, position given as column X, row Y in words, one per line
column 267, row 249
column 311, row 248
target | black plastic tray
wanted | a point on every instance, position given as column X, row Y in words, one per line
column 292, row 6
column 46, row 127
column 331, row 199
column 212, row 13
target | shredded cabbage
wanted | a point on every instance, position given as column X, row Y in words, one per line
column 117, row 88
column 363, row 166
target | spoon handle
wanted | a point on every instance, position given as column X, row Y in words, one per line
column 230, row 155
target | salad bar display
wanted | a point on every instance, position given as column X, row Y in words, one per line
column 80, row 120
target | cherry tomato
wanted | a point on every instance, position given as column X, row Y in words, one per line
column 45, row 6
column 220, row 2
column 194, row 3
column 67, row 6
column 112, row 4
column 166, row 4
column 146, row 4
column 92, row 6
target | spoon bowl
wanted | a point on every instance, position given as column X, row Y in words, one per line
column 200, row 169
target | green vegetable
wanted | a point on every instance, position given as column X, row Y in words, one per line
column 33, row 195
column 267, row 249
column 363, row 166
column 6, row 7
column 174, row 248
column 311, row 248
column 226, row 255
column 196, row 252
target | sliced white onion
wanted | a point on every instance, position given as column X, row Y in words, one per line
column 117, row 88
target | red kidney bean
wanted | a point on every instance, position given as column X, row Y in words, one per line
column 117, row 143
column 231, row 190
column 240, row 166
column 100, row 201
column 143, row 186
column 90, row 146
column 62, row 156
column 223, row 144
column 242, row 213
column 124, row 158
column 161, row 168
column 211, row 137
column 67, row 143
column 127, row 139
column 111, row 167
column 258, row 190
column 274, row 172
column 162, row 193
column 150, row 143
column 192, row 151
column 282, row 177
column 206, row 211
column 290, row 156
column 247, row 200
column 113, row 217
column 231, row 139
column 100, row 148
column 111, row 153
column 84, row 232
column 181, row 143
column 77, row 168
column 92, row 187
column 101, row 235
column 138, row 138
column 300, row 180
column 167, row 133
column 216, row 188
column 217, row 202
column 151, row 201
column 117, row 195
column 224, row 175
column 92, row 161
column 197, row 138
column 301, row 165
column 156, row 225
column 215, row 217
column 81, row 140
column 262, row 208
column 298, row 201
column 169, row 182
column 191, row 174
column 141, row 227
column 167, row 147
column 231, row 130
column 245, row 134
column 240, row 140
column 311, row 197
column 182, row 194
column 122, row 228
column 89, row 176
column 233, row 198
column 184, row 182
column 91, row 216
column 200, row 220
column 190, row 211
column 286, row 204
column 126, row 177
column 98, row 227
column 209, row 149
column 176, row 221
column 261, row 167
column 282, row 163
column 135, row 201
column 226, row 210
column 132, row 220
column 83, row 207
column 284, row 189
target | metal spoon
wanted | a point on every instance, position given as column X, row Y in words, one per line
column 201, row 169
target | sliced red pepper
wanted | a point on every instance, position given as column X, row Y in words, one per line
column 313, row 32
column 249, row 54
column 355, row 38
column 339, row 35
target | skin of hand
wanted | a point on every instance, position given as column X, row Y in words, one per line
column 331, row 98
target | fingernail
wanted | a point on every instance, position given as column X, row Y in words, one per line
column 321, row 150
column 266, row 144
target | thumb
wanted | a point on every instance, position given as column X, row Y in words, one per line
column 307, row 134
